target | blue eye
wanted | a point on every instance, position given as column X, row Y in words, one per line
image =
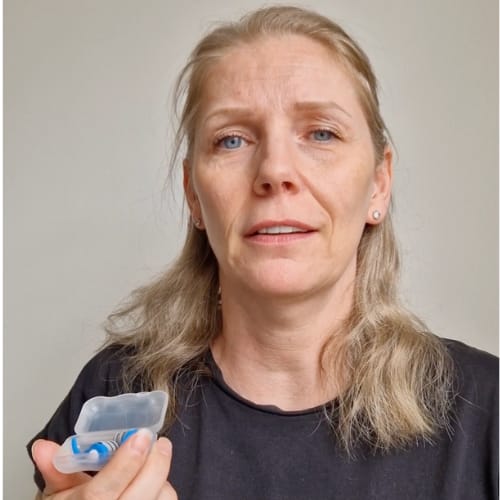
column 231, row 142
column 323, row 135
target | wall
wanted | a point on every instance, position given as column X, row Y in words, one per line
column 87, row 214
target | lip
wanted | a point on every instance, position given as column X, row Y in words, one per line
column 272, row 223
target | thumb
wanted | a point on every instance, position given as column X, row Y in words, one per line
column 43, row 452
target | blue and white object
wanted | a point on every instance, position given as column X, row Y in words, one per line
column 104, row 424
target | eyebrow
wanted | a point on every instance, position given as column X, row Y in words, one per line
column 229, row 111
column 319, row 106
column 240, row 111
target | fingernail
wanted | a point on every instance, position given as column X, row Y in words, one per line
column 141, row 440
column 164, row 446
column 33, row 446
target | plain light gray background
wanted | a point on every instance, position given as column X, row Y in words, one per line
column 87, row 218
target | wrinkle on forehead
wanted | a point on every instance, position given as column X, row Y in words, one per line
column 276, row 72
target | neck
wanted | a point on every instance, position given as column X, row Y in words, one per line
column 270, row 351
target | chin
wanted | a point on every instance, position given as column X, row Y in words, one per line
column 280, row 283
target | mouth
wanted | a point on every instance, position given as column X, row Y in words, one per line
column 282, row 231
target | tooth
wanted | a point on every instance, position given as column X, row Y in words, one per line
column 281, row 230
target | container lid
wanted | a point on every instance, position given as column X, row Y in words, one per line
column 126, row 411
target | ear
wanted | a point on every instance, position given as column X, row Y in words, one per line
column 191, row 196
column 382, row 187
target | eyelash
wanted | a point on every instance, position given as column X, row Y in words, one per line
column 334, row 134
column 218, row 141
column 221, row 138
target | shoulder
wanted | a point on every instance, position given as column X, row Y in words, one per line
column 476, row 375
column 471, row 362
column 471, row 356
column 103, row 374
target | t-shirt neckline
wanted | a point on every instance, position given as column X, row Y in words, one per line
column 219, row 381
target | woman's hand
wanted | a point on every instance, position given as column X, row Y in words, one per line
column 132, row 473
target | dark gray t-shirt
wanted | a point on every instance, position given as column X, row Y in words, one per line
column 227, row 448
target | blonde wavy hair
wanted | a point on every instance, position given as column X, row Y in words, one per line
column 398, row 376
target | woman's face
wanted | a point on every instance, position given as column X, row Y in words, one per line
column 282, row 172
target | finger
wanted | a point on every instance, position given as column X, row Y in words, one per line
column 153, row 475
column 123, row 467
column 167, row 493
column 43, row 452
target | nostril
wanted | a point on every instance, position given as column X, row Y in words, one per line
column 268, row 186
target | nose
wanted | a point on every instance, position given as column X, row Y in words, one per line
column 276, row 162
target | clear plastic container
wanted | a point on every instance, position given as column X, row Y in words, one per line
column 104, row 424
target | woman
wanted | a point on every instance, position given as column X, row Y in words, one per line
column 293, row 372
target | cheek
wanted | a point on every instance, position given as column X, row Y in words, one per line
column 220, row 203
column 348, row 211
column 361, row 190
column 221, row 184
column 346, row 192
column 212, row 204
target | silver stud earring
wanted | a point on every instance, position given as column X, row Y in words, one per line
column 376, row 214
column 197, row 222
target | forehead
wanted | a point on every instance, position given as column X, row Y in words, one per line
column 278, row 72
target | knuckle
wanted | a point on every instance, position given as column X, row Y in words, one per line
column 100, row 491
column 91, row 494
column 125, row 464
